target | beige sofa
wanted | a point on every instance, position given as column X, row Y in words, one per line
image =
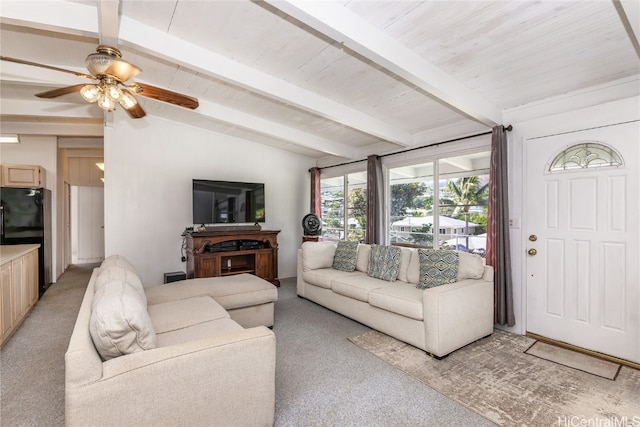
column 438, row 320
column 194, row 352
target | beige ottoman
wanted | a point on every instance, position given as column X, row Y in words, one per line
column 248, row 299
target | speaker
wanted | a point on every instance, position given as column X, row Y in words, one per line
column 174, row 276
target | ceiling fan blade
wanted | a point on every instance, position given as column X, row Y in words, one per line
column 164, row 95
column 60, row 91
column 136, row 111
column 49, row 67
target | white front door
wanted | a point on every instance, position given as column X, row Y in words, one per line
column 582, row 242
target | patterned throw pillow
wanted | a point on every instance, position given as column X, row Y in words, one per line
column 384, row 262
column 437, row 267
column 345, row 256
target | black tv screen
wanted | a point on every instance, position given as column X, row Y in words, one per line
column 227, row 202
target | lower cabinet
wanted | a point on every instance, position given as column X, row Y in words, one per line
column 225, row 253
column 18, row 291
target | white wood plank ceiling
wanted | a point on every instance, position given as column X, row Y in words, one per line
column 333, row 80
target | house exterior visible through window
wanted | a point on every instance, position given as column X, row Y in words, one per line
column 452, row 214
column 433, row 197
column 344, row 219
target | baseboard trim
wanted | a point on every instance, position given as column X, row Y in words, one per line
column 584, row 351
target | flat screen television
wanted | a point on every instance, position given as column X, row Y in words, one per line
column 227, row 202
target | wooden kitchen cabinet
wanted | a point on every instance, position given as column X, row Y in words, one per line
column 23, row 175
column 18, row 286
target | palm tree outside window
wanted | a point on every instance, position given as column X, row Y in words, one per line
column 452, row 214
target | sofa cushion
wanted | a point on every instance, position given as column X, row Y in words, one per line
column 345, row 256
column 119, row 322
column 437, row 267
column 405, row 258
column 114, row 273
column 118, row 261
column 384, row 262
column 323, row 277
column 213, row 328
column 231, row 292
column 317, row 255
column 179, row 314
column 401, row 298
column 362, row 261
column 471, row 266
column 357, row 285
column 413, row 270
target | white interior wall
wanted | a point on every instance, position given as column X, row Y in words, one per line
column 149, row 166
column 42, row 151
column 568, row 114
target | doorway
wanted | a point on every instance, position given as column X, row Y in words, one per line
column 582, row 232
column 87, row 226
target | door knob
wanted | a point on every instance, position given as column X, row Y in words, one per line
column 532, row 252
column 533, row 237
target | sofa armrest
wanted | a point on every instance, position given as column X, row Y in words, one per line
column 457, row 314
column 228, row 378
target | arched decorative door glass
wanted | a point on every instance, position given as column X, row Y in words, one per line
column 586, row 155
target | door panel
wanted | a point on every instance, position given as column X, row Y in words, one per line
column 582, row 284
column 90, row 223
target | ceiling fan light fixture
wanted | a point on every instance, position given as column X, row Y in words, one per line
column 91, row 93
column 106, row 103
column 127, row 100
column 97, row 63
column 113, row 91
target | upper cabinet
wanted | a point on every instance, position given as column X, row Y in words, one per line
column 23, row 176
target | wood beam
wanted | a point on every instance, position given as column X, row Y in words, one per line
column 173, row 49
column 12, row 72
column 270, row 128
column 52, row 15
column 109, row 22
column 629, row 12
column 89, row 21
column 50, row 109
column 59, row 129
column 335, row 21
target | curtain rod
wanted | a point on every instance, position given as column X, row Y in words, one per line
column 435, row 144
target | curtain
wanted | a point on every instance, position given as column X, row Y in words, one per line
column 375, row 201
column 315, row 191
column 498, row 249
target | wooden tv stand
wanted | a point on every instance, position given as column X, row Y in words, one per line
column 224, row 253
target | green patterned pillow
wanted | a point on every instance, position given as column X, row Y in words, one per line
column 384, row 262
column 345, row 256
column 437, row 267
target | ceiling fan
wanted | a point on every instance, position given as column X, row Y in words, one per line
column 112, row 72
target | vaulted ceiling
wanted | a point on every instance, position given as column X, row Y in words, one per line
column 333, row 80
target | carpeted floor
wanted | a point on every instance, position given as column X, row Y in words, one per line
column 496, row 379
column 321, row 378
column 32, row 361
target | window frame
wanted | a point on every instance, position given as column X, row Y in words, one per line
column 428, row 154
column 344, row 171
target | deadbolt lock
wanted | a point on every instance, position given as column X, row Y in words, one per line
column 532, row 252
column 533, row 237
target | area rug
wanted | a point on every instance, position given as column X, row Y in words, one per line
column 575, row 360
column 496, row 379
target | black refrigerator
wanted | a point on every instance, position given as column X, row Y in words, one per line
column 26, row 218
